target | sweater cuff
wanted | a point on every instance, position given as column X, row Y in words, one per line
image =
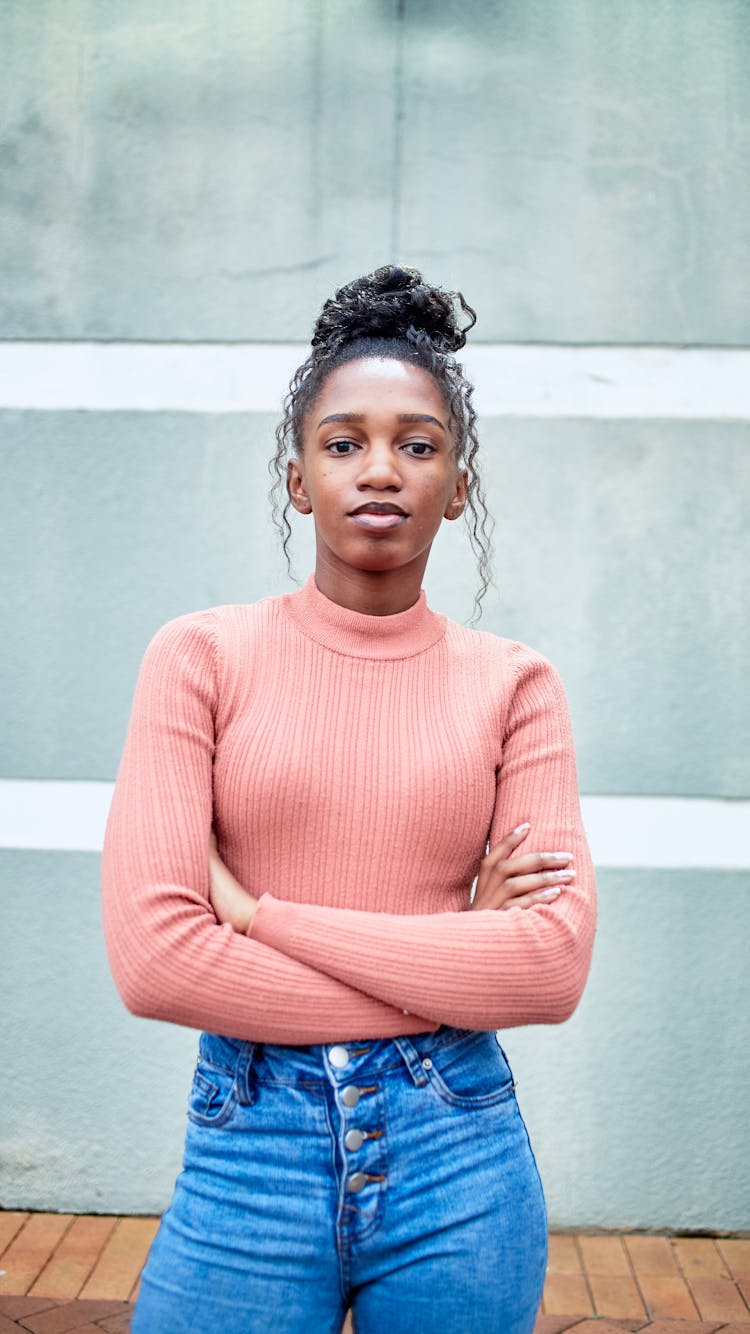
column 273, row 922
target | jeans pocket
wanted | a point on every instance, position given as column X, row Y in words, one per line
column 213, row 1095
column 472, row 1072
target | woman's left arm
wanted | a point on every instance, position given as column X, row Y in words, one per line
column 479, row 969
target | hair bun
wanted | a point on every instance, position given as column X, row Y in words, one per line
column 393, row 302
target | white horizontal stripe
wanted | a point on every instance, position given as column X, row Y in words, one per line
column 668, row 831
column 511, row 379
column 55, row 815
column 623, row 831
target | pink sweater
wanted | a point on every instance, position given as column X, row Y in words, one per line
column 354, row 767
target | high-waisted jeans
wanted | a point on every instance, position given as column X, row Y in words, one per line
column 393, row 1176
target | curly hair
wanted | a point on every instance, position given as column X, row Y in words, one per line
column 394, row 313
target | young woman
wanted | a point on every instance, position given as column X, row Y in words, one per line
column 308, row 791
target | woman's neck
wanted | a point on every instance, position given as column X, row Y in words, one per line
column 371, row 592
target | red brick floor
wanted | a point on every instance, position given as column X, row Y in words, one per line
column 61, row 1272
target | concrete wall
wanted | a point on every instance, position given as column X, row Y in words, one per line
column 207, row 175
column 212, row 171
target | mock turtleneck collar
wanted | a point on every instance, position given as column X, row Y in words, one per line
column 355, row 635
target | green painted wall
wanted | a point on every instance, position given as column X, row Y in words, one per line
column 212, row 171
column 622, row 553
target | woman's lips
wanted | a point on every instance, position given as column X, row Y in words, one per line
column 369, row 519
column 378, row 517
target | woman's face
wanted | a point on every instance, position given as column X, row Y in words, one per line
column 378, row 469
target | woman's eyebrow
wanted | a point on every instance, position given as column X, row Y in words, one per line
column 420, row 417
column 360, row 417
column 342, row 417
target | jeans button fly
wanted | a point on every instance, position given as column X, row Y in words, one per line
column 339, row 1057
column 356, row 1181
column 354, row 1139
column 351, row 1095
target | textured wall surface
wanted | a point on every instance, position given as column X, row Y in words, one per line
column 209, row 173
column 121, row 520
column 212, row 171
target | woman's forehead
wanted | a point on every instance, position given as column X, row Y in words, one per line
column 378, row 382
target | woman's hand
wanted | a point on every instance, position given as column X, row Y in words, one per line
column 521, row 882
column 230, row 902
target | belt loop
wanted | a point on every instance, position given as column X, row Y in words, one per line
column 246, row 1092
column 412, row 1060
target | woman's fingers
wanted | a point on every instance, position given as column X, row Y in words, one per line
column 534, row 863
column 534, row 877
column 528, row 884
column 530, row 900
column 542, row 888
column 503, row 897
column 495, row 871
column 557, row 864
column 505, row 847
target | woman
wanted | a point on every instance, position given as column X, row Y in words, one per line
column 353, row 1134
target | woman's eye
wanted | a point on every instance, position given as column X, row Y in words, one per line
column 419, row 448
column 341, row 447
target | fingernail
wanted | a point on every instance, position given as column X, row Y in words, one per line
column 563, row 856
column 549, row 893
column 563, row 875
column 521, row 828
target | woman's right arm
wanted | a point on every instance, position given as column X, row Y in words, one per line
column 170, row 958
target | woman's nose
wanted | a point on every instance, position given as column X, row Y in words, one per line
column 379, row 469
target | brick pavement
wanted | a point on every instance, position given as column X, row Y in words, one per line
column 63, row 1273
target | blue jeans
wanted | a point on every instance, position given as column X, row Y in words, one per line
column 394, row 1176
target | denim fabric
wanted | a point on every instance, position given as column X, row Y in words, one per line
column 448, row 1229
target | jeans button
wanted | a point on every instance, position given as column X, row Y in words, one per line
column 356, row 1181
column 351, row 1095
column 339, row 1057
column 354, row 1139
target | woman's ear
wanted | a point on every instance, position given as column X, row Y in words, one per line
column 455, row 507
column 295, row 485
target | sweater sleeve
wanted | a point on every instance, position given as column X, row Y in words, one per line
column 170, row 958
column 479, row 969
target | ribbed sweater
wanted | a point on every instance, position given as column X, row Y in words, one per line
column 355, row 769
